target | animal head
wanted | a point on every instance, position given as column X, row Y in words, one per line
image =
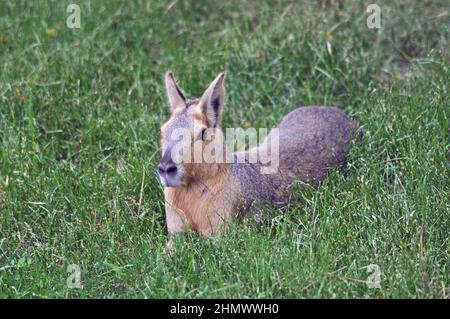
column 186, row 132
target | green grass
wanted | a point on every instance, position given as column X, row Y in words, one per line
column 80, row 111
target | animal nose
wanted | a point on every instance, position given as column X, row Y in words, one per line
column 167, row 168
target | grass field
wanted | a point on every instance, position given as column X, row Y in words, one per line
column 80, row 111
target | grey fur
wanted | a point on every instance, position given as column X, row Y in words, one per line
column 313, row 140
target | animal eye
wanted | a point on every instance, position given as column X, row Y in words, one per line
column 203, row 134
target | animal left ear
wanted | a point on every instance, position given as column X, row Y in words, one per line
column 174, row 93
column 211, row 102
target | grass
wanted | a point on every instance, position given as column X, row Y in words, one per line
column 80, row 111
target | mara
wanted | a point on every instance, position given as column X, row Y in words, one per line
column 206, row 196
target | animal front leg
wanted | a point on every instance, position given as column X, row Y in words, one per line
column 176, row 225
column 175, row 220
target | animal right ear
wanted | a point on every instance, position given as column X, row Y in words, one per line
column 175, row 95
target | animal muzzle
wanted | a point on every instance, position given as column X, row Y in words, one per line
column 168, row 172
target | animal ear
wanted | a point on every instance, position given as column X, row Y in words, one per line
column 212, row 100
column 175, row 95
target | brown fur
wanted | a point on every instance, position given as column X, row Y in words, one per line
column 202, row 205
